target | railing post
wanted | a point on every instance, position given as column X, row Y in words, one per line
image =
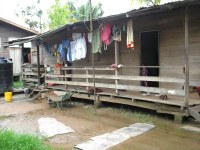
column 87, row 79
column 45, row 72
column 186, row 58
column 116, row 62
column 38, row 63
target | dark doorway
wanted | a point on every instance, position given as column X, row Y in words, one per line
column 149, row 54
column 26, row 56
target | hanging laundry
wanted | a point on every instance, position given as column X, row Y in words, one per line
column 62, row 50
column 47, row 48
column 54, row 51
column 90, row 37
column 59, row 58
column 66, row 45
column 96, row 41
column 124, row 27
column 76, row 36
column 78, row 49
column 130, row 37
column 105, row 34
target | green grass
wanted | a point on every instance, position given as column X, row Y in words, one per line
column 13, row 141
column 136, row 116
column 18, row 84
column 3, row 117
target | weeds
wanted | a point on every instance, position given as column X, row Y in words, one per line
column 3, row 117
column 14, row 141
column 136, row 116
column 18, row 84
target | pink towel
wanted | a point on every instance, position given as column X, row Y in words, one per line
column 105, row 33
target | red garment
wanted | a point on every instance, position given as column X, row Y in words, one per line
column 105, row 33
column 198, row 90
column 29, row 57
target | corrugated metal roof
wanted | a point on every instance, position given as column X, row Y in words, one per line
column 161, row 8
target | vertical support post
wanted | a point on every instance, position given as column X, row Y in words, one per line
column 38, row 63
column 65, row 71
column 22, row 61
column 87, row 79
column 117, row 63
column 186, row 58
column 22, row 53
column 45, row 78
column 93, row 65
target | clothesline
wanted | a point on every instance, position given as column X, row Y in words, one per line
column 77, row 49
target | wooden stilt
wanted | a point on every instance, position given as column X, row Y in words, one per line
column 38, row 64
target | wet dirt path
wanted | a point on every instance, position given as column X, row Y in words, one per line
column 166, row 135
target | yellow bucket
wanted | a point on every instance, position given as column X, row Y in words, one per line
column 8, row 96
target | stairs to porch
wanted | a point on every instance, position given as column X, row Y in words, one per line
column 195, row 112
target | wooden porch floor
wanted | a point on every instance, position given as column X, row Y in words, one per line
column 135, row 96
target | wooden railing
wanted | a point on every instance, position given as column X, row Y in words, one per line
column 103, row 79
column 30, row 75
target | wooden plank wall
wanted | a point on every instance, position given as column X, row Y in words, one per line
column 16, row 56
column 170, row 26
column 7, row 31
column 194, row 45
column 171, row 41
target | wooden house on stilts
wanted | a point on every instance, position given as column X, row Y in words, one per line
column 158, row 70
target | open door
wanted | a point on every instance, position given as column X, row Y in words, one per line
column 26, row 55
column 149, row 54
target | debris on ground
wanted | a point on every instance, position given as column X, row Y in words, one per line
column 50, row 127
column 107, row 140
column 190, row 128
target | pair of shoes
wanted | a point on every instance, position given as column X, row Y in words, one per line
column 146, row 94
column 163, row 97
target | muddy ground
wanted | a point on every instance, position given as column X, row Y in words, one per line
column 23, row 116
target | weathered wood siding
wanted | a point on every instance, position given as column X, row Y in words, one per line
column 6, row 31
column 194, row 45
column 16, row 55
column 170, row 26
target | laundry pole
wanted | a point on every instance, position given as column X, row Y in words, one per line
column 93, row 65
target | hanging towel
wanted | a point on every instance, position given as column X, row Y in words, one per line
column 78, row 49
column 96, row 41
column 130, row 37
column 105, row 34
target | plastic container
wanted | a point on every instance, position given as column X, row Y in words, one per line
column 8, row 96
column 6, row 75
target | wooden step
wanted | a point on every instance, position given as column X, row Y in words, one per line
column 194, row 113
column 196, row 108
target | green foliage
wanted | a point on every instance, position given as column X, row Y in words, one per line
column 148, row 2
column 32, row 16
column 13, row 141
column 60, row 15
column 18, row 84
column 83, row 11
